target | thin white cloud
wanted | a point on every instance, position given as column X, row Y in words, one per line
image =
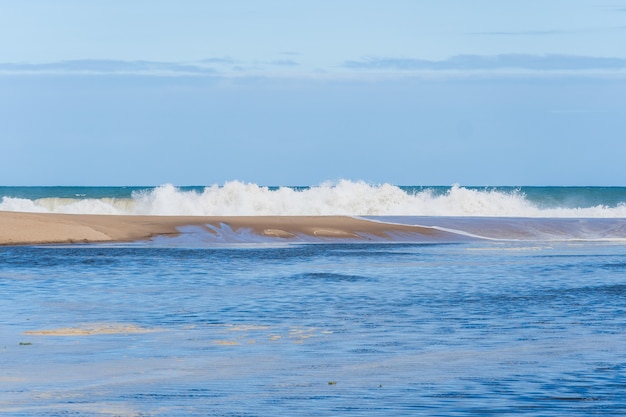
column 107, row 67
column 366, row 68
column 543, row 63
column 285, row 63
column 221, row 66
column 550, row 32
column 219, row 61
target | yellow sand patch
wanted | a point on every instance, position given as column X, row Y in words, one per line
column 299, row 335
column 278, row 233
column 246, row 328
column 11, row 379
column 334, row 233
column 91, row 329
column 225, row 342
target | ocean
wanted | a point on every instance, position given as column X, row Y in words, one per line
column 521, row 311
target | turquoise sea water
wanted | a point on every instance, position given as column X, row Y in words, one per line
column 528, row 322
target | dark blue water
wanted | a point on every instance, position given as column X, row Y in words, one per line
column 318, row 329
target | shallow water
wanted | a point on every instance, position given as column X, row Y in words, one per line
column 478, row 328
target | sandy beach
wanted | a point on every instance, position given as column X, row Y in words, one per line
column 35, row 228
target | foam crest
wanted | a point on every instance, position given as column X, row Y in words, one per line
column 236, row 198
column 69, row 205
column 339, row 198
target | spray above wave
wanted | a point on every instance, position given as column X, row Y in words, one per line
column 341, row 198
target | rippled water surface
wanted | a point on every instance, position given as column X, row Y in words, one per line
column 317, row 329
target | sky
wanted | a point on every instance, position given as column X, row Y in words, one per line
column 286, row 92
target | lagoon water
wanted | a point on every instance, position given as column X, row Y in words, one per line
column 520, row 324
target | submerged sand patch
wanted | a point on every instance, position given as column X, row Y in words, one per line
column 335, row 233
column 278, row 233
column 226, row 342
column 92, row 329
column 252, row 333
column 245, row 327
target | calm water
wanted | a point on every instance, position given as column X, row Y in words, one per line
column 476, row 328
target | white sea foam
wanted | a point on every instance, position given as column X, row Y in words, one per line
column 340, row 198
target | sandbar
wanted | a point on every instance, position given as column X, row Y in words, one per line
column 50, row 228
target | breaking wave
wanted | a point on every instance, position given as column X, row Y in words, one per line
column 344, row 197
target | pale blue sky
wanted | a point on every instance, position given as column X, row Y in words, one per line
column 295, row 93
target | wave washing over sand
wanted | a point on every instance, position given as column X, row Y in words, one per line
column 353, row 198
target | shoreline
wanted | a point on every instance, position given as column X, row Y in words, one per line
column 19, row 228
